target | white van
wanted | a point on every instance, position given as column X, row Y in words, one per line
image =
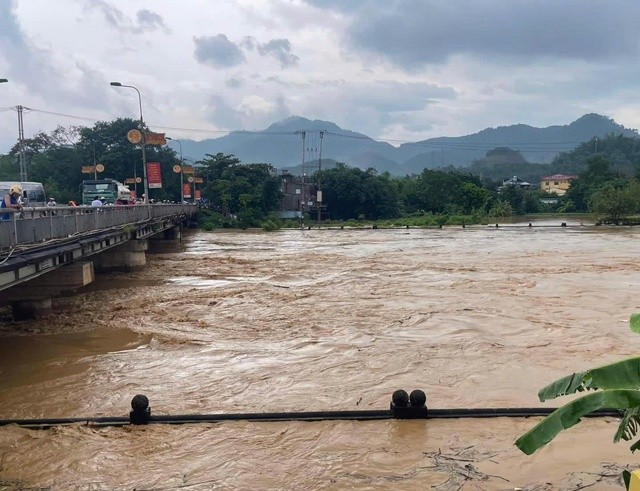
column 32, row 192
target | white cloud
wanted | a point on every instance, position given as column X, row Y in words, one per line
column 406, row 70
column 280, row 49
column 218, row 51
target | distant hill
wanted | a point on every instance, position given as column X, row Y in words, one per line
column 539, row 145
column 281, row 145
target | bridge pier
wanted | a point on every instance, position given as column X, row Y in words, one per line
column 34, row 301
column 172, row 233
column 126, row 257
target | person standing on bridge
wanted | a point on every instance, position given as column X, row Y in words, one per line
column 96, row 203
column 52, row 202
column 11, row 200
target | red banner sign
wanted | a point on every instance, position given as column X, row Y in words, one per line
column 154, row 175
column 186, row 190
column 198, row 195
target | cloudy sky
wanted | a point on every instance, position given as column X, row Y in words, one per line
column 396, row 70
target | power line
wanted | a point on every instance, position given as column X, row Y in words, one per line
column 451, row 143
column 531, row 147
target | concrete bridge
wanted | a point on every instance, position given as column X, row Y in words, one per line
column 48, row 252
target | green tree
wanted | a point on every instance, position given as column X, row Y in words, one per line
column 53, row 160
column 472, row 197
column 234, row 188
column 9, row 168
column 622, row 152
column 56, row 159
column 437, row 191
column 597, row 173
column 107, row 142
column 616, row 203
column 351, row 192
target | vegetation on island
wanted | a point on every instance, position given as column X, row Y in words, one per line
column 237, row 194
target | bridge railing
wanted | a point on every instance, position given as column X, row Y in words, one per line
column 35, row 225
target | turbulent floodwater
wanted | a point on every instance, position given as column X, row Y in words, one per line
column 321, row 320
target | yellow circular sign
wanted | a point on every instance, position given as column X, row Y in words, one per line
column 134, row 136
column 190, row 179
column 177, row 169
column 99, row 168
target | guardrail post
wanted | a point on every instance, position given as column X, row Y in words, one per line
column 14, row 235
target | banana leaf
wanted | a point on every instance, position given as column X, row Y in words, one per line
column 570, row 414
column 623, row 374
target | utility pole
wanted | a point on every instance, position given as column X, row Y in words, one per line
column 95, row 171
column 319, row 196
column 23, row 166
column 302, row 193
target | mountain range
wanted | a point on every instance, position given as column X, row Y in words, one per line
column 288, row 143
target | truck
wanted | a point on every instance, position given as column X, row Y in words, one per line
column 109, row 191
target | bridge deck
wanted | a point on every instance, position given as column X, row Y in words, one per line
column 38, row 240
column 37, row 225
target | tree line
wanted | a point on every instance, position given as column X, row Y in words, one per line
column 248, row 194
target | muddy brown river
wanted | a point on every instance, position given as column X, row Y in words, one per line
column 314, row 320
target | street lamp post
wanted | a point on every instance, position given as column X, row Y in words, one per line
column 142, row 143
column 181, row 169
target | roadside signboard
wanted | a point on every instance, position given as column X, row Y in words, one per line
column 186, row 190
column 92, row 169
column 155, row 139
column 154, row 175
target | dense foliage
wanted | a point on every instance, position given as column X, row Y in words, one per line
column 599, row 190
column 56, row 159
column 248, row 194
column 353, row 193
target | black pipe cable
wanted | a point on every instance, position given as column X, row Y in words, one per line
column 365, row 415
